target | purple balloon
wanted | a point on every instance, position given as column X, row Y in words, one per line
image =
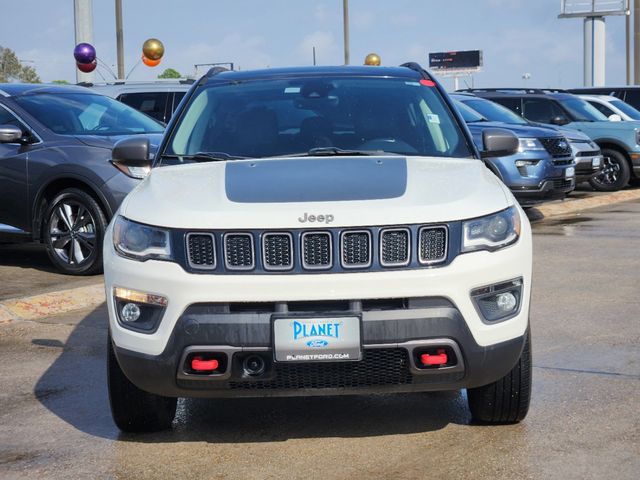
column 84, row 53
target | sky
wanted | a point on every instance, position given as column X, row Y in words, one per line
column 516, row 36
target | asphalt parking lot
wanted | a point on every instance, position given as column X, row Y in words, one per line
column 584, row 421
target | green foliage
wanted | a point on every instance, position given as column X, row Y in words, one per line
column 170, row 73
column 11, row 70
column 60, row 82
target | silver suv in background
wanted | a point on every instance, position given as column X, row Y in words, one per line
column 158, row 98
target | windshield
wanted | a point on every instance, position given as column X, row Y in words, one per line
column 582, row 111
column 494, row 112
column 626, row 109
column 264, row 118
column 86, row 114
column 468, row 115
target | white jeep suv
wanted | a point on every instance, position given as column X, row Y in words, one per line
column 317, row 231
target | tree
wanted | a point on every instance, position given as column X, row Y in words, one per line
column 12, row 71
column 170, row 73
column 60, row 82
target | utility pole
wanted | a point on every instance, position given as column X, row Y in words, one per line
column 83, row 19
column 119, row 39
column 636, row 42
column 627, row 44
column 345, row 21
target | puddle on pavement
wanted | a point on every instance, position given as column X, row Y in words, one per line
column 565, row 227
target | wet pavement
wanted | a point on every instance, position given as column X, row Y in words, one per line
column 584, row 420
column 25, row 270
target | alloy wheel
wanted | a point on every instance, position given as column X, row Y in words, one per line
column 72, row 231
column 609, row 173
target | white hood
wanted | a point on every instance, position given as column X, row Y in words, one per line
column 354, row 191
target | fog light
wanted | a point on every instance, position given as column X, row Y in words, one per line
column 130, row 312
column 499, row 301
column 506, row 302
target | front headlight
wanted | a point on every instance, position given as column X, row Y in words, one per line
column 492, row 232
column 529, row 144
column 140, row 242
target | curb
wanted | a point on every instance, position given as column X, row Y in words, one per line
column 568, row 206
column 48, row 304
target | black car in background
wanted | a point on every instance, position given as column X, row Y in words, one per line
column 57, row 184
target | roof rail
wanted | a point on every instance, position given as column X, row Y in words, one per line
column 416, row 67
column 215, row 71
column 504, row 90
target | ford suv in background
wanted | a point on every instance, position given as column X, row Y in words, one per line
column 587, row 155
column 619, row 141
column 317, row 231
column 541, row 169
column 158, row 99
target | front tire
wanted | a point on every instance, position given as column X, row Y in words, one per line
column 615, row 173
column 507, row 399
column 134, row 410
column 73, row 229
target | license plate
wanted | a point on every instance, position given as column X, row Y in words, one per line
column 595, row 163
column 318, row 339
column 570, row 172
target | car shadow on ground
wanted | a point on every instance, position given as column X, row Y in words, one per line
column 74, row 389
column 26, row 255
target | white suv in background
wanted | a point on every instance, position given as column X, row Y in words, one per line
column 612, row 107
column 158, row 99
column 317, row 231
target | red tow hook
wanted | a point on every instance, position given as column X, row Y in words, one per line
column 200, row 365
column 433, row 360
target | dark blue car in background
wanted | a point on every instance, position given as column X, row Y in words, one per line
column 542, row 169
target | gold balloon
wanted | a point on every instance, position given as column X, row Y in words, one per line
column 153, row 49
column 372, row 59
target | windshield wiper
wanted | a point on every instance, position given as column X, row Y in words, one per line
column 335, row 152
column 207, row 157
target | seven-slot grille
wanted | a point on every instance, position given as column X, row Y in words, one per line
column 395, row 247
column 313, row 250
column 356, row 249
column 556, row 146
column 277, row 251
column 201, row 252
column 316, row 250
column 433, row 244
column 238, row 251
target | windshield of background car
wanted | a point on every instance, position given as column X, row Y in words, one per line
column 626, row 108
column 582, row 111
column 468, row 114
column 265, row 118
column 494, row 112
column 86, row 114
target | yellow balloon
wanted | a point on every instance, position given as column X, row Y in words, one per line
column 153, row 49
column 372, row 59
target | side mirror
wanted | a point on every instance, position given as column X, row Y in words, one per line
column 499, row 142
column 559, row 120
column 614, row 117
column 131, row 156
column 10, row 134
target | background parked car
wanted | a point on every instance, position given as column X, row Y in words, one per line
column 612, row 107
column 543, row 167
column 628, row 93
column 158, row 99
column 586, row 153
column 619, row 141
column 57, row 185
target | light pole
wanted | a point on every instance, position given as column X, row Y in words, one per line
column 119, row 39
column 83, row 19
column 345, row 21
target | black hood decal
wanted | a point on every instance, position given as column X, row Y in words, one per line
column 316, row 179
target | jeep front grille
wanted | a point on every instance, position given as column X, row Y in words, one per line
column 238, row 251
column 331, row 250
column 395, row 247
column 277, row 251
column 201, row 252
column 316, row 250
column 556, row 146
column 356, row 249
column 433, row 244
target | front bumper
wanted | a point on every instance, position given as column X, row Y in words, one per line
column 587, row 166
column 550, row 189
column 154, row 361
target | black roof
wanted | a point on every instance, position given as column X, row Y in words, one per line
column 16, row 89
column 517, row 92
column 358, row 71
